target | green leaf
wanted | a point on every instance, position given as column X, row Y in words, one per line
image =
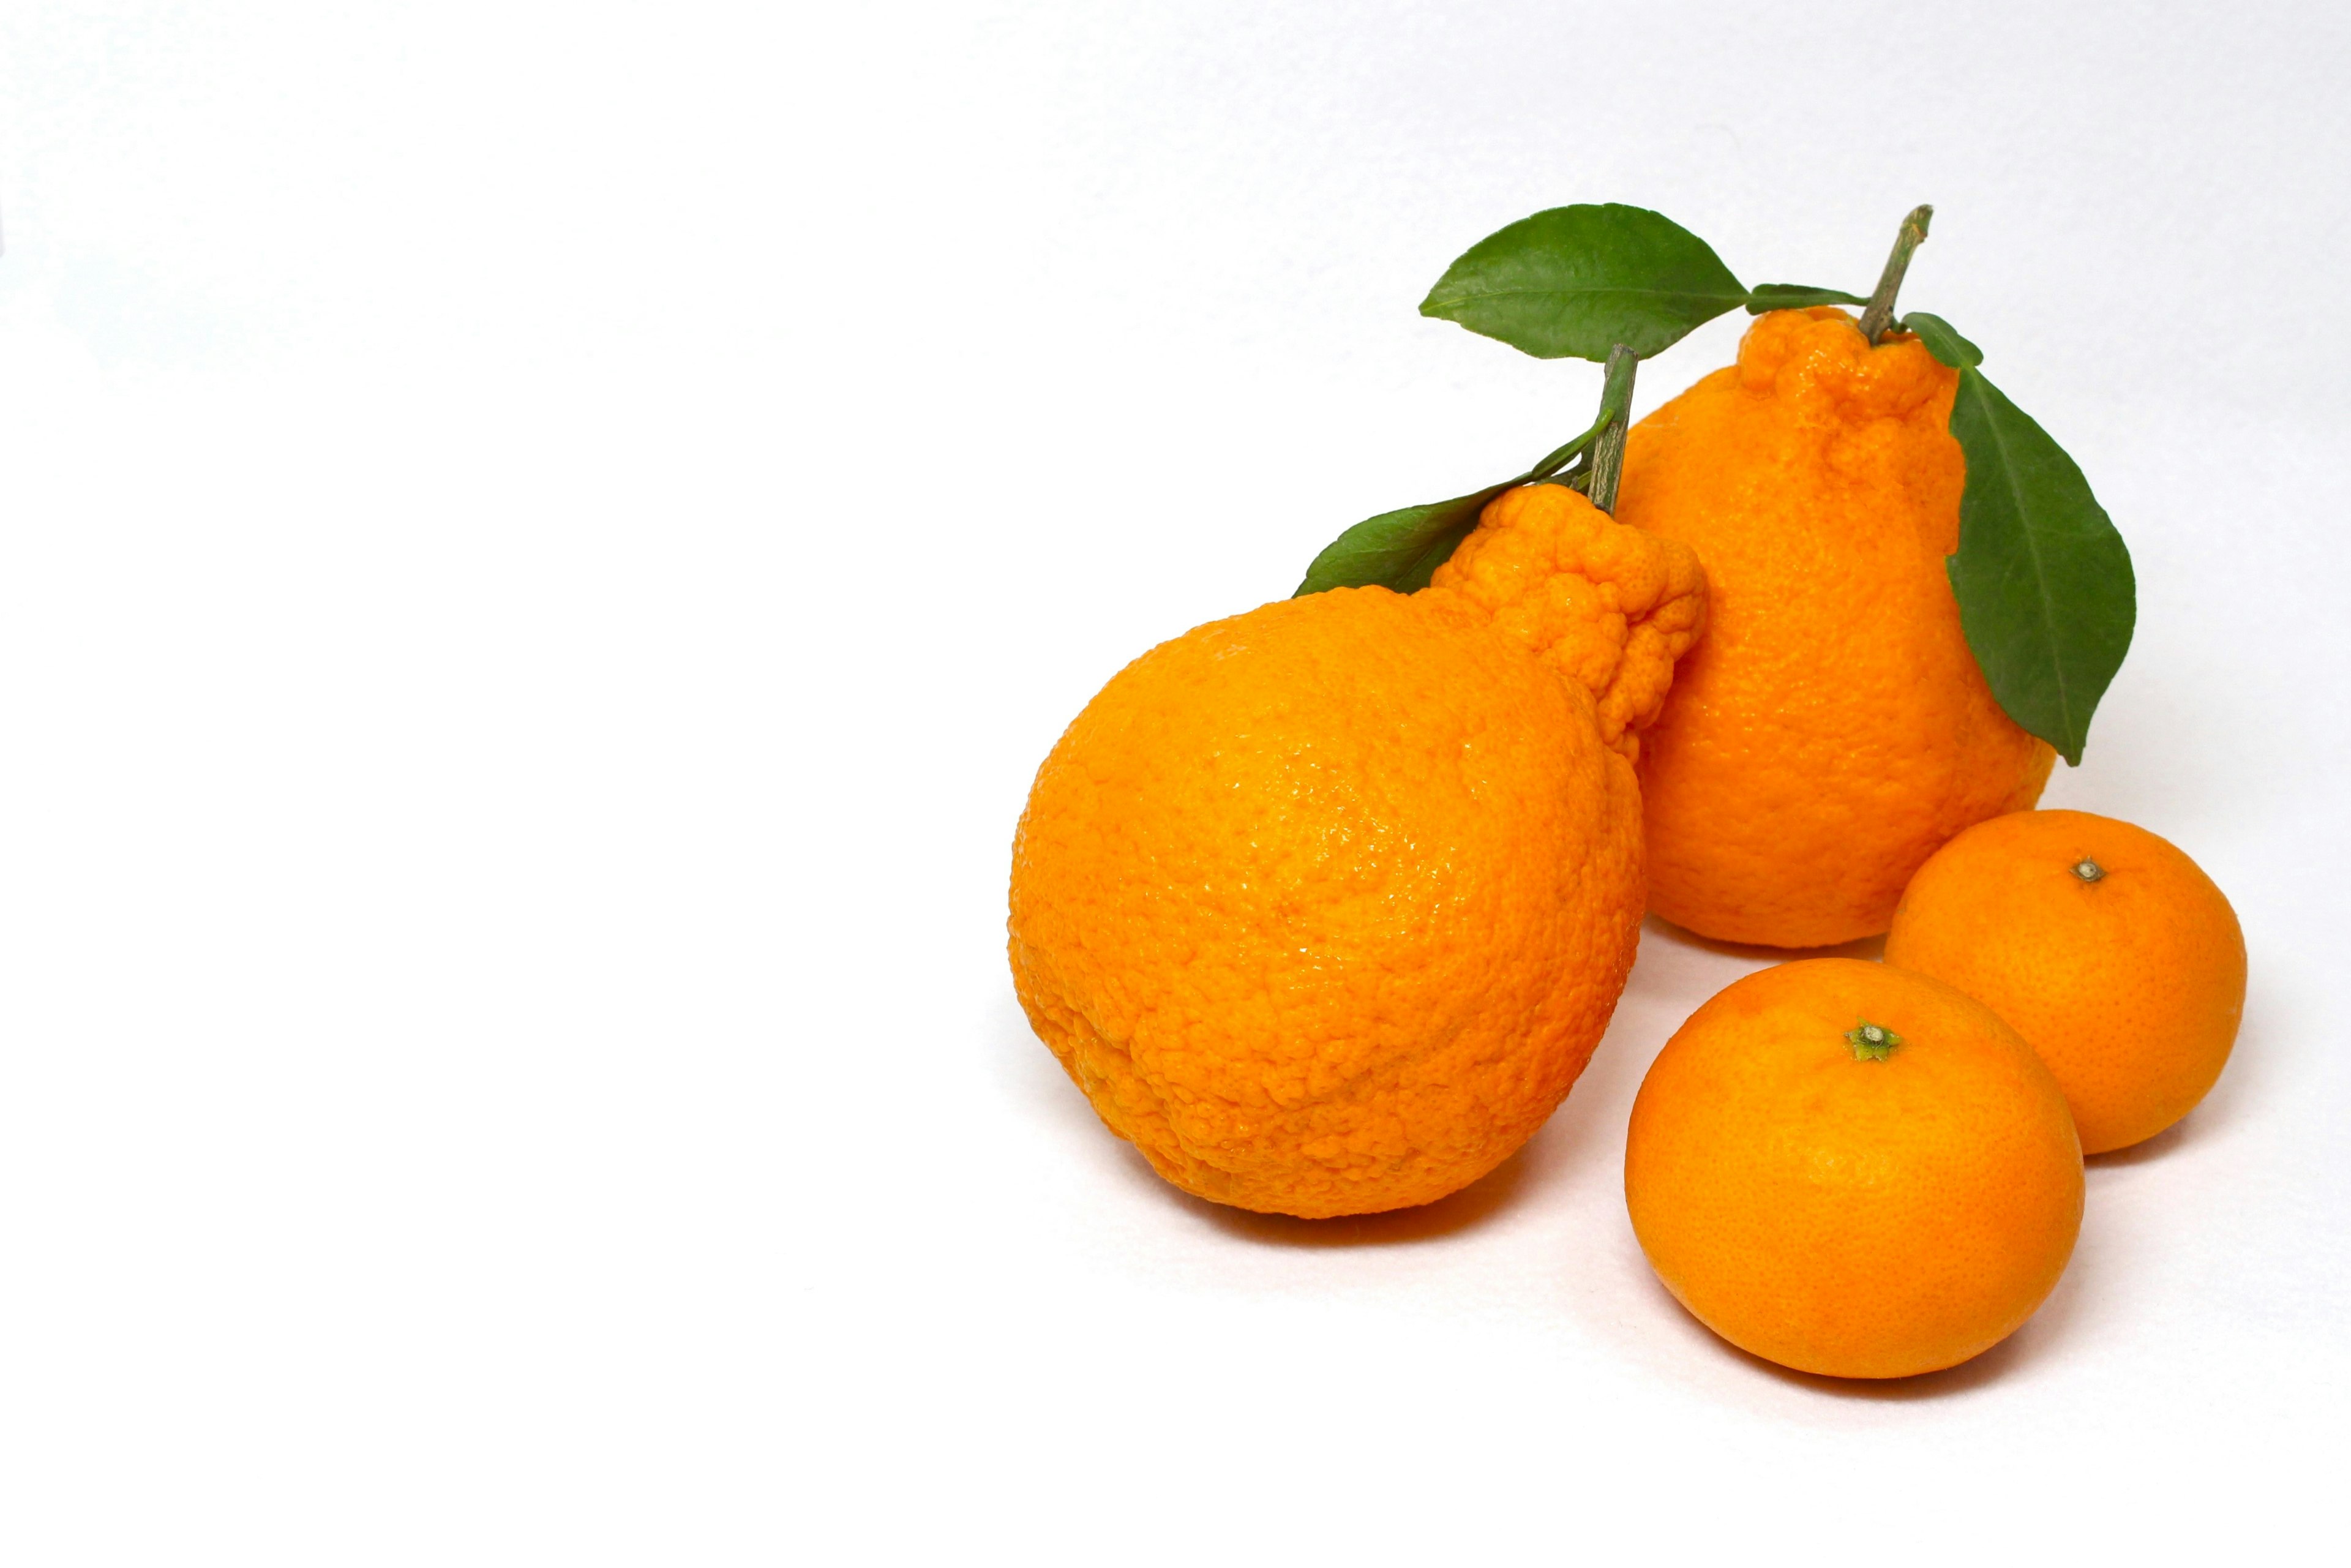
column 1403, row 549
column 1795, row 297
column 2046, row 593
column 1573, row 282
column 1399, row 550
column 1943, row 340
column 1552, row 462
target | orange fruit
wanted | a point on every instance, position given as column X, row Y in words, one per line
column 2107, row 947
column 1834, row 729
column 1324, row 907
column 1854, row 1170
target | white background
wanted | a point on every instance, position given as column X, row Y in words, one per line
column 543, row 545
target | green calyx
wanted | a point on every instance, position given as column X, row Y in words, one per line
column 1871, row 1041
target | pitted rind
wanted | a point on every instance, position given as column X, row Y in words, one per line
column 1832, row 728
column 1325, row 906
column 1609, row 607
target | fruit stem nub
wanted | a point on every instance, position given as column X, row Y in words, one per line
column 1879, row 315
column 2088, row 870
column 1616, row 408
column 1871, row 1041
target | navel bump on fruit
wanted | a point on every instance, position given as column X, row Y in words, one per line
column 2107, row 949
column 1852, row 1170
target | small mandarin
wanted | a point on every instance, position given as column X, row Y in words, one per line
column 1854, row 1170
column 2106, row 949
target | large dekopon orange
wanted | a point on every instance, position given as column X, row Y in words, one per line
column 1833, row 730
column 1325, row 906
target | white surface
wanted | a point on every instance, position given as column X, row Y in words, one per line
column 544, row 544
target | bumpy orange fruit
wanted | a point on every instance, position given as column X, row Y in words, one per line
column 1610, row 608
column 2107, row 949
column 1325, row 906
column 1854, row 1170
column 1834, row 729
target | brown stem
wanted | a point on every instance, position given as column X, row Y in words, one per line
column 1617, row 404
column 1876, row 319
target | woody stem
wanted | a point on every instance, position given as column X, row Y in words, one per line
column 1616, row 407
column 1879, row 316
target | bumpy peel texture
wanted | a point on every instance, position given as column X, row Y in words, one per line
column 1324, row 907
column 1832, row 729
column 1609, row 607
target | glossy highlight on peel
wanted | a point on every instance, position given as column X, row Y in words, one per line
column 1852, row 1170
column 2107, row 949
